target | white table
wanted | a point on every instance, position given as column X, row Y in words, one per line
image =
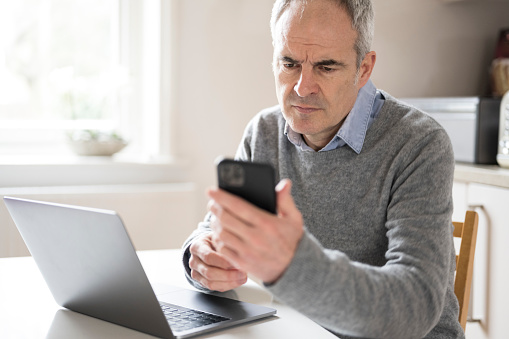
column 27, row 308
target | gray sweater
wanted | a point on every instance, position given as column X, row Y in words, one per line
column 377, row 257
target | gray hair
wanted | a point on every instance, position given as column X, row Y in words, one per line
column 360, row 12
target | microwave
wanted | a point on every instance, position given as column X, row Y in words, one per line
column 471, row 122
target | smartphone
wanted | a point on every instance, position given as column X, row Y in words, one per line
column 252, row 181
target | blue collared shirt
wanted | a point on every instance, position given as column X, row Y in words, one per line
column 353, row 131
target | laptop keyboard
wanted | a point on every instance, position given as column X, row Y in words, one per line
column 182, row 319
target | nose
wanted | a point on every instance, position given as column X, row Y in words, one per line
column 307, row 84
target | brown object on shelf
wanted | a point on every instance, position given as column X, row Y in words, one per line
column 500, row 65
column 500, row 76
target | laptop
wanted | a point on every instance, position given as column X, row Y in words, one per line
column 90, row 266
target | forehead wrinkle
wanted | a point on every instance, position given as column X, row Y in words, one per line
column 306, row 42
column 294, row 33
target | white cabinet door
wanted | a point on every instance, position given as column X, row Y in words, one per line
column 491, row 269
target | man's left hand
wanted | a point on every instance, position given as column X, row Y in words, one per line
column 252, row 239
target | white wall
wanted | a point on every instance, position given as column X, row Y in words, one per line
column 225, row 77
column 434, row 48
column 425, row 48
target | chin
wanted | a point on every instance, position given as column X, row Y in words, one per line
column 303, row 127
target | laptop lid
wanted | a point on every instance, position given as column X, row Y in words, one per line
column 90, row 265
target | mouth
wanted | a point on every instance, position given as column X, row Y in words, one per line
column 305, row 109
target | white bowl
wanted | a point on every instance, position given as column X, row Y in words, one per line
column 96, row 148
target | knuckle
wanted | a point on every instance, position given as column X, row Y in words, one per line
column 205, row 272
column 195, row 247
column 195, row 275
column 206, row 257
column 193, row 262
column 200, row 279
column 219, row 245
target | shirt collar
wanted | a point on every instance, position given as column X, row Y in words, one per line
column 353, row 130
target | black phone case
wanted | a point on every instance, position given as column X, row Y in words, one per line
column 254, row 182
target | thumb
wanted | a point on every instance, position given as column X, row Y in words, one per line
column 285, row 204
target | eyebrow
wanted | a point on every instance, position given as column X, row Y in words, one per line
column 289, row 60
column 327, row 62
column 330, row 62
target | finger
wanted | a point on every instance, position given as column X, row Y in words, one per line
column 242, row 209
column 234, row 257
column 232, row 241
column 214, row 285
column 214, row 273
column 215, row 278
column 229, row 224
column 285, row 203
column 229, row 246
column 203, row 248
column 224, row 238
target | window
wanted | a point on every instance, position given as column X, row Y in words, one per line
column 69, row 65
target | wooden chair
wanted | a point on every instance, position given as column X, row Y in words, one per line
column 467, row 231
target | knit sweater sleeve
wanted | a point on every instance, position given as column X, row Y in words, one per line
column 405, row 297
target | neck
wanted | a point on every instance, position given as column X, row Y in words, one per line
column 317, row 142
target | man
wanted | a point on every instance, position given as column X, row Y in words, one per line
column 363, row 242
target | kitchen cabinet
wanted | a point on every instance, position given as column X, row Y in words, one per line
column 489, row 196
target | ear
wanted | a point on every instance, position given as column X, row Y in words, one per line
column 366, row 68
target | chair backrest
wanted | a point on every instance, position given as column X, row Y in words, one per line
column 467, row 231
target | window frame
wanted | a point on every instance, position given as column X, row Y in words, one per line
column 150, row 55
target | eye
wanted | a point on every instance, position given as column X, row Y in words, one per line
column 289, row 65
column 326, row 69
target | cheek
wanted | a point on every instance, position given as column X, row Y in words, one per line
column 343, row 97
column 283, row 86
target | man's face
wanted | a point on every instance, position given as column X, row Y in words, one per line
column 317, row 80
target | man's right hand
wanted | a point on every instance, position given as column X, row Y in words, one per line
column 211, row 269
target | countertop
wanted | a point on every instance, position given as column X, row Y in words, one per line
column 493, row 175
